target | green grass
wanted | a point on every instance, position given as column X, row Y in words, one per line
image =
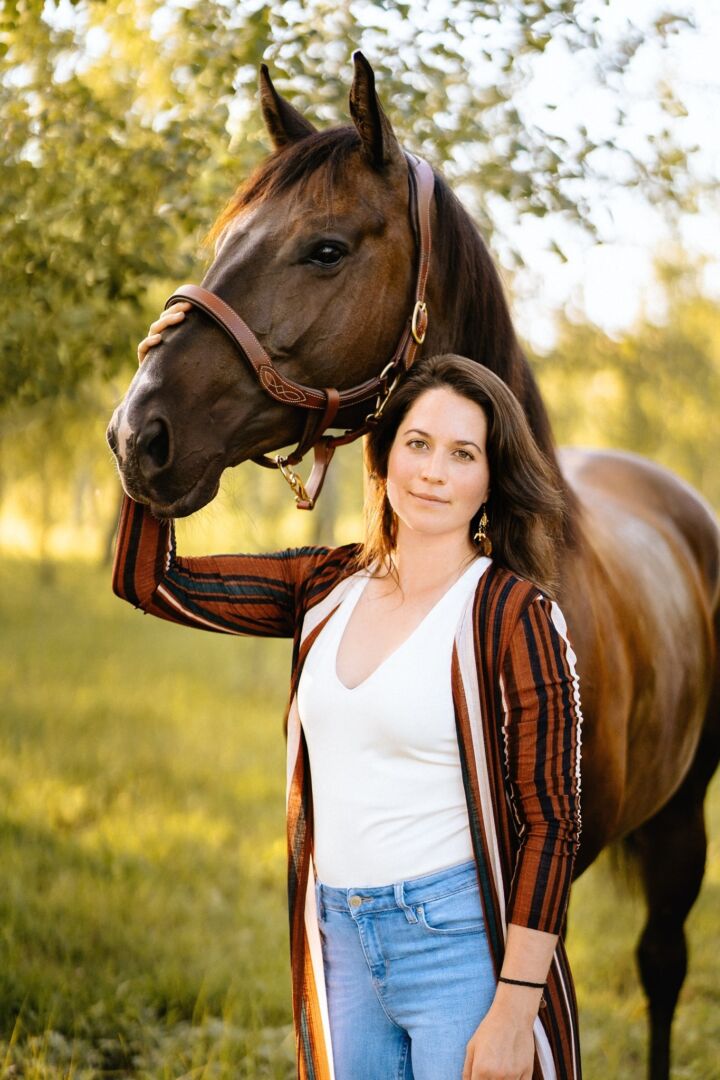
column 143, row 928
column 141, row 835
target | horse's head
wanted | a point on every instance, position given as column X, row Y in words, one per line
column 317, row 254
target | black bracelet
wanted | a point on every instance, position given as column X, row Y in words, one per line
column 521, row 982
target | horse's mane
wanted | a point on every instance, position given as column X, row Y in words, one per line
column 474, row 300
column 478, row 310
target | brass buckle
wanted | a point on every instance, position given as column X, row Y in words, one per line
column 384, row 395
column 419, row 309
column 298, row 488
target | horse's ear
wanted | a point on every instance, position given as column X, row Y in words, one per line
column 380, row 145
column 284, row 123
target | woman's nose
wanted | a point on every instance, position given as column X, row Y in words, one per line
column 433, row 470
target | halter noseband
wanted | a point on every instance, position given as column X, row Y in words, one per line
column 324, row 405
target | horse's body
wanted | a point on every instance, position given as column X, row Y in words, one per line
column 641, row 562
column 638, row 596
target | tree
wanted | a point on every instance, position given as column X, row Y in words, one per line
column 126, row 126
column 91, row 214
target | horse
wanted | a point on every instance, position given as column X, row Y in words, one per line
column 317, row 251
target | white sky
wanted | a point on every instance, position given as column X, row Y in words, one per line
column 612, row 282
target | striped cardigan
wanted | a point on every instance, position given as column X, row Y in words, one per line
column 518, row 721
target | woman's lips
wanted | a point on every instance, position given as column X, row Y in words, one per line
column 428, row 498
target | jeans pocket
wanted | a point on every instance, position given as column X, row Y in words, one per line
column 456, row 913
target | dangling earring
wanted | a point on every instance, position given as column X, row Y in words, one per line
column 481, row 537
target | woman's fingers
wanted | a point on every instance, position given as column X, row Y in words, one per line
column 173, row 315
column 147, row 343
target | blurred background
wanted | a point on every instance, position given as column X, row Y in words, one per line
column 142, row 911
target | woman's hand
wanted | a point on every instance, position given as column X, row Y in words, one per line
column 174, row 314
column 502, row 1048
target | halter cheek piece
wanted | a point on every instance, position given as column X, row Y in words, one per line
column 324, row 405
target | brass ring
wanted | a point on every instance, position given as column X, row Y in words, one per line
column 419, row 309
column 296, row 484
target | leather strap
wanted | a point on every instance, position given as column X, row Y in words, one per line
column 276, row 385
column 323, row 451
column 314, row 428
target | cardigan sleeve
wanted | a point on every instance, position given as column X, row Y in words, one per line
column 231, row 594
column 542, row 745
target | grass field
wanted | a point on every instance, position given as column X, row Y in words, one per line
column 143, row 929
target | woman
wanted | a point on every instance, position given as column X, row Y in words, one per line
column 435, row 702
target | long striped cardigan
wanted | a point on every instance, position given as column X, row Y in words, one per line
column 518, row 720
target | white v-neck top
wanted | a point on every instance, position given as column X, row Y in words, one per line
column 388, row 797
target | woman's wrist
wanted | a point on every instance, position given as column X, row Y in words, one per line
column 521, row 1002
column 521, row 982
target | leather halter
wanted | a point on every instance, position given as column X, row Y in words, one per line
column 323, row 405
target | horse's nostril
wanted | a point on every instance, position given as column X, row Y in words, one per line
column 159, row 446
column 154, row 444
column 111, row 436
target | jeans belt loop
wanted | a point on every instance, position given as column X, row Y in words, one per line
column 400, row 901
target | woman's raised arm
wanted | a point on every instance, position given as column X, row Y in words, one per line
column 230, row 594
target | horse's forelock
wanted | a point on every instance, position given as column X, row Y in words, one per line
column 290, row 166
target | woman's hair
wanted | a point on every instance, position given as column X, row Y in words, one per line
column 525, row 506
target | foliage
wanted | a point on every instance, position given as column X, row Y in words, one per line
column 144, row 926
column 654, row 390
column 92, row 210
column 116, row 151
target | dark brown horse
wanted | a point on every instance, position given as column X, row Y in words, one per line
column 316, row 252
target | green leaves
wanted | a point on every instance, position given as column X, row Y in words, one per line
column 653, row 390
column 126, row 124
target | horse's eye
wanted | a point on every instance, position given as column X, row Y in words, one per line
column 326, row 254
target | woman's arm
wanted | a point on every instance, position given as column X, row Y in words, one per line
column 542, row 743
column 503, row 1046
column 230, row 594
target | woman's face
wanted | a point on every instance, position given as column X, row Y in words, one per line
column 438, row 474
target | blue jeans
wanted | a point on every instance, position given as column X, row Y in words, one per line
column 409, row 975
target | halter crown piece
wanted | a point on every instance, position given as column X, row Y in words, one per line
column 324, row 404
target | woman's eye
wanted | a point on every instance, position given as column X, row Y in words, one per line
column 326, row 254
column 416, row 444
column 465, row 455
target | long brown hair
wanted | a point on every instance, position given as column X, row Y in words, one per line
column 526, row 506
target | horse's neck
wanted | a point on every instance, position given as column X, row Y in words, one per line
column 490, row 339
column 475, row 322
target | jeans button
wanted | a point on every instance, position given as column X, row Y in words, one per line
column 355, row 901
